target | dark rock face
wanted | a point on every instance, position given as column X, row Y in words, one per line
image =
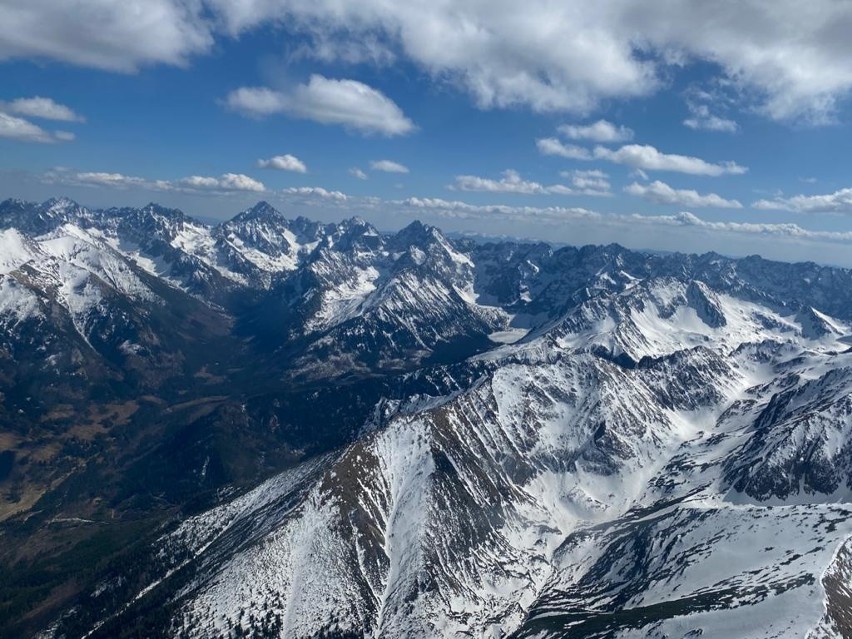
column 706, row 304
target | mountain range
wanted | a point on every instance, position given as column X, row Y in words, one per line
column 274, row 427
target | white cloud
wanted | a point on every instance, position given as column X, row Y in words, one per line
column 285, row 162
column 662, row 193
column 503, row 54
column 524, row 214
column 226, row 183
column 99, row 178
column 600, row 131
column 589, row 173
column 838, row 202
column 552, row 146
column 626, row 223
column 44, row 108
column 794, row 59
column 257, row 101
column 358, row 173
column 327, row 47
column 316, row 191
column 648, row 158
column 772, row 230
column 512, row 182
column 105, row 34
column 15, row 128
column 200, row 182
column 349, row 103
column 640, row 157
column 590, row 181
column 388, row 166
column 701, row 118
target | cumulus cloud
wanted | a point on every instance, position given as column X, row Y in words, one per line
column 316, row 191
column 600, row 131
column 624, row 222
column 503, row 55
column 358, row 173
column 794, row 59
column 15, row 128
column 661, row 193
column 22, row 130
column 701, row 118
column 523, row 214
column 44, row 108
column 648, row 158
column 640, row 157
column 388, row 166
column 285, row 162
column 257, row 101
column 349, row 103
column 512, row 182
column 552, row 146
column 591, row 182
column 838, row 202
column 105, row 34
column 99, row 178
column 226, row 183
column 771, row 230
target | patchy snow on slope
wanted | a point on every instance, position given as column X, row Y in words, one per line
column 17, row 303
column 344, row 301
column 15, row 250
column 509, row 336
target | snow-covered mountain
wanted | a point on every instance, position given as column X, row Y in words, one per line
column 457, row 439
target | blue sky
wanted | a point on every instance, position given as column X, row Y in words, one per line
column 679, row 125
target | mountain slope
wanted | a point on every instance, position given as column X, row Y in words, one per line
column 333, row 431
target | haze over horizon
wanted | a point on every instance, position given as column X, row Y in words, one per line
column 679, row 126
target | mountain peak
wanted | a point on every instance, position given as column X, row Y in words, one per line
column 815, row 325
column 357, row 226
column 14, row 203
column 61, row 207
column 264, row 208
column 261, row 210
column 158, row 209
column 33, row 217
column 415, row 226
column 418, row 233
column 60, row 202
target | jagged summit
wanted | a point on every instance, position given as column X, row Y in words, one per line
column 416, row 232
column 261, row 210
column 816, row 325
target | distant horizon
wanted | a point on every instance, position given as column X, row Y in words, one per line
column 673, row 126
column 462, row 233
